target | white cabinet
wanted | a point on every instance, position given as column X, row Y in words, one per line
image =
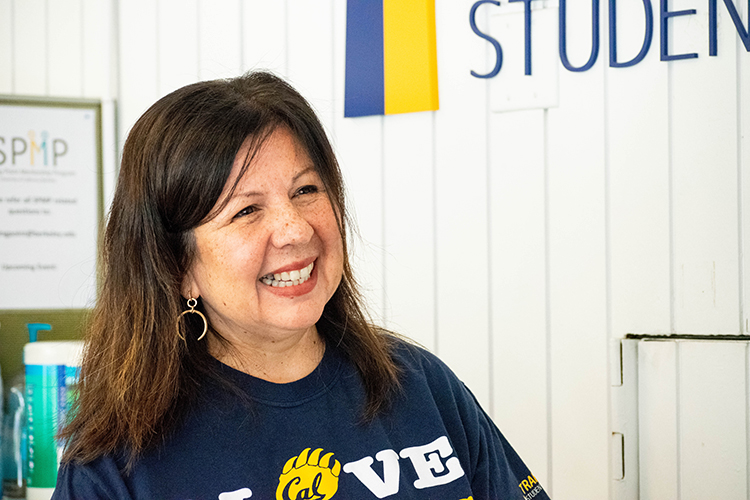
column 680, row 419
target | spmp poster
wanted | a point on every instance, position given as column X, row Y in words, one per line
column 50, row 202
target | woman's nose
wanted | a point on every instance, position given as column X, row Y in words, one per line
column 289, row 226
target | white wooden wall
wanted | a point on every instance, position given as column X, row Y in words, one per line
column 516, row 244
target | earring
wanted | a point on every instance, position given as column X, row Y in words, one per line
column 191, row 304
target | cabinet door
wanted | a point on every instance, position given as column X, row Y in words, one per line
column 680, row 420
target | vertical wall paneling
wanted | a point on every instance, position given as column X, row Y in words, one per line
column 360, row 154
column 110, row 157
column 100, row 57
column 461, row 200
column 577, row 271
column 409, row 241
column 138, row 56
column 519, row 326
column 657, row 408
column 30, row 48
column 517, row 192
column 65, row 58
column 178, row 44
column 6, row 46
column 219, row 39
column 509, row 243
column 638, row 185
column 713, row 438
column 265, row 36
column 100, row 80
column 703, row 112
column 743, row 118
column 359, row 146
column 310, row 54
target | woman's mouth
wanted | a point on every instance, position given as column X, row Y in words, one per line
column 291, row 278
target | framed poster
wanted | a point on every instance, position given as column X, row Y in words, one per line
column 51, row 202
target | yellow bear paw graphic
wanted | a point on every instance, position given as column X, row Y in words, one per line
column 309, row 477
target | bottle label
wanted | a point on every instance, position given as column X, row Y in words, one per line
column 46, row 402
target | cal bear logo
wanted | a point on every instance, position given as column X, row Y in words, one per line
column 309, row 476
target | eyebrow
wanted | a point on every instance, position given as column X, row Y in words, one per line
column 250, row 194
column 305, row 171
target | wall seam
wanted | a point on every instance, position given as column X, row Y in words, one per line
column 14, row 72
column 158, row 48
column 490, row 267
column 82, row 91
column 334, row 85
column 607, row 258
column 198, row 58
column 741, row 241
column 678, row 430
column 670, row 181
column 740, row 200
column 488, row 208
column 547, row 302
column 46, row 48
column 747, row 420
column 383, row 231
column 286, row 43
column 435, row 273
column 115, row 67
column 241, row 23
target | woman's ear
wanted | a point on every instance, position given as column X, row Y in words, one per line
column 189, row 288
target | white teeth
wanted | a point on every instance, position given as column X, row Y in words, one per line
column 291, row 278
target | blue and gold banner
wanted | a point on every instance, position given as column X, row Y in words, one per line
column 391, row 57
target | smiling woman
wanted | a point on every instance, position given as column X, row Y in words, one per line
column 274, row 221
column 229, row 219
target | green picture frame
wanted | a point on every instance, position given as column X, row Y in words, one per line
column 38, row 133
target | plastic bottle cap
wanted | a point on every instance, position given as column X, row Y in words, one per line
column 75, row 353
column 53, row 353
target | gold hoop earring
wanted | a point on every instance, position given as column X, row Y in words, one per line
column 191, row 304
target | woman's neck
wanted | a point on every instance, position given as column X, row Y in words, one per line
column 278, row 360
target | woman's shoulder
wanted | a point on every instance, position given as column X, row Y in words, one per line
column 406, row 350
column 417, row 361
column 100, row 479
column 428, row 382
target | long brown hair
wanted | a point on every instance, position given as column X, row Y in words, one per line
column 138, row 378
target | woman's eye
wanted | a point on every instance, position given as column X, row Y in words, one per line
column 309, row 189
column 245, row 211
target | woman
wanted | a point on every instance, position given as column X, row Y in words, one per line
column 229, row 356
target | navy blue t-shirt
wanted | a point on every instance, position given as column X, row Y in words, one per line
column 306, row 440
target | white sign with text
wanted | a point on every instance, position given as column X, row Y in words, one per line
column 49, row 205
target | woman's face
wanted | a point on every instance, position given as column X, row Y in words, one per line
column 271, row 259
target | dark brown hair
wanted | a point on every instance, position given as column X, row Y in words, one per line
column 138, row 378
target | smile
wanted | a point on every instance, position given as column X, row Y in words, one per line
column 291, row 278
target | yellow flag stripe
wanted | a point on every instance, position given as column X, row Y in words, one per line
column 410, row 56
